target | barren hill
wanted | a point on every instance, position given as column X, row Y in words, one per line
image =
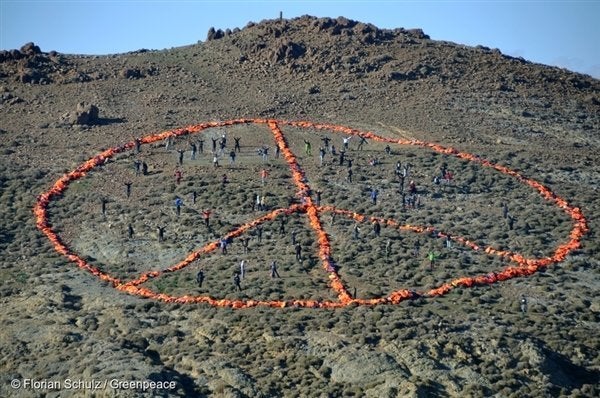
column 59, row 321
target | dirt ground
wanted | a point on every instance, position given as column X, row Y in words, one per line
column 60, row 322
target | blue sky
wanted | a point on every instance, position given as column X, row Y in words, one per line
column 561, row 33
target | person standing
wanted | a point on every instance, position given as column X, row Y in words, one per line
column 200, row 277
column 194, row 149
column 511, row 222
column 342, row 154
column 103, row 202
column 161, row 233
column 144, row 168
column 294, row 237
column 223, row 245
column 178, row 175
column 178, row 204
column 245, row 242
column 326, row 140
column 355, row 231
column 431, row 256
column 282, row 226
column 307, row 147
column 242, row 269
column 346, row 142
column 417, row 248
column 523, row 304
column 128, row 188
column 321, row 155
column 256, row 203
column 130, row 231
column 180, row 152
column 361, row 143
column 138, row 167
column 263, row 203
column 265, row 153
column 236, row 282
column 374, row 193
column 318, row 199
column 259, row 231
column 398, row 169
column 237, row 147
column 264, row 173
column 376, row 228
column 273, row 271
column 298, row 248
column 168, row 142
column 206, row 216
column 412, row 188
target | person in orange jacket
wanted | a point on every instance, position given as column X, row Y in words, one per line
column 264, row 173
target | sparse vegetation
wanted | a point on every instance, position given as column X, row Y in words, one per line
column 59, row 321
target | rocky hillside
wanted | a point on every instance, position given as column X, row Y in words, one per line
column 58, row 110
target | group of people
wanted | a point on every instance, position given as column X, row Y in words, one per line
column 403, row 173
column 239, row 275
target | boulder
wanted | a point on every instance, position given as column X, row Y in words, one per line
column 30, row 49
column 28, row 75
column 417, row 33
column 85, row 114
column 214, row 34
column 10, row 55
column 131, row 73
column 286, row 51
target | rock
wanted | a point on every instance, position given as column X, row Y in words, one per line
column 525, row 113
column 314, row 89
column 15, row 54
column 363, row 367
column 131, row 73
column 30, row 49
column 286, row 51
column 10, row 55
column 28, row 75
column 85, row 114
column 417, row 33
column 214, row 34
column 228, row 375
column 324, row 23
column 10, row 99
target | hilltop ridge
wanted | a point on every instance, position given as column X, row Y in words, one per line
column 59, row 110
